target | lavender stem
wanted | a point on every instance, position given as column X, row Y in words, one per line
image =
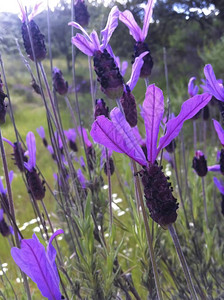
column 183, row 262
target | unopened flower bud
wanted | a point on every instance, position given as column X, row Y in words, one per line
column 146, row 69
column 129, row 106
column 221, row 161
column 199, row 164
column 111, row 166
column 205, row 113
column 60, row 85
column 81, row 13
column 171, row 147
column 101, row 108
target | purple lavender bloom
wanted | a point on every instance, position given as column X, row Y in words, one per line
column 220, row 186
column 71, row 136
column 2, row 189
column 213, row 86
column 41, row 133
column 5, row 230
column 140, row 35
column 118, row 136
column 81, row 13
column 60, row 85
column 199, row 163
column 39, row 264
column 192, row 89
column 128, row 100
column 36, row 186
column 18, row 154
column 37, row 37
column 105, row 67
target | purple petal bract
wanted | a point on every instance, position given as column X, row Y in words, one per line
column 111, row 25
column 31, row 146
column 106, row 133
column 213, row 85
column 147, row 18
column 83, row 44
column 188, row 109
column 219, row 130
column 127, row 18
column 39, row 265
column 153, row 107
column 219, row 185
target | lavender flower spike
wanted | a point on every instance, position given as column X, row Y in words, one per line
column 105, row 67
column 214, row 87
column 192, row 89
column 39, row 265
column 140, row 35
column 31, row 146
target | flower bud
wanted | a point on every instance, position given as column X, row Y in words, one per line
column 101, row 108
column 199, row 164
column 60, row 85
column 111, row 166
column 36, row 186
column 3, row 106
column 171, row 147
column 129, row 106
column 81, row 13
column 146, row 69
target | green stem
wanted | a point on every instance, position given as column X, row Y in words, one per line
column 149, row 238
column 183, row 262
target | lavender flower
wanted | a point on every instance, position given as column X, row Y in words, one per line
column 81, row 13
column 18, row 154
column 199, row 164
column 118, row 136
column 5, row 230
column 71, row 136
column 192, row 88
column 128, row 100
column 101, row 108
column 35, row 184
column 3, row 106
column 60, row 85
column 140, row 35
column 81, row 178
column 105, row 67
column 37, row 37
column 213, row 86
column 220, row 133
column 3, row 193
column 41, row 133
column 39, row 265
column 220, row 186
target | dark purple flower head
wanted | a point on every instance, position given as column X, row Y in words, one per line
column 101, row 108
column 81, row 13
column 5, row 229
column 105, row 66
column 37, row 37
column 140, row 35
column 41, row 133
column 2, row 189
column 71, row 136
column 18, row 154
column 118, row 136
column 199, row 164
column 39, row 265
column 192, row 89
column 60, row 85
column 3, row 106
